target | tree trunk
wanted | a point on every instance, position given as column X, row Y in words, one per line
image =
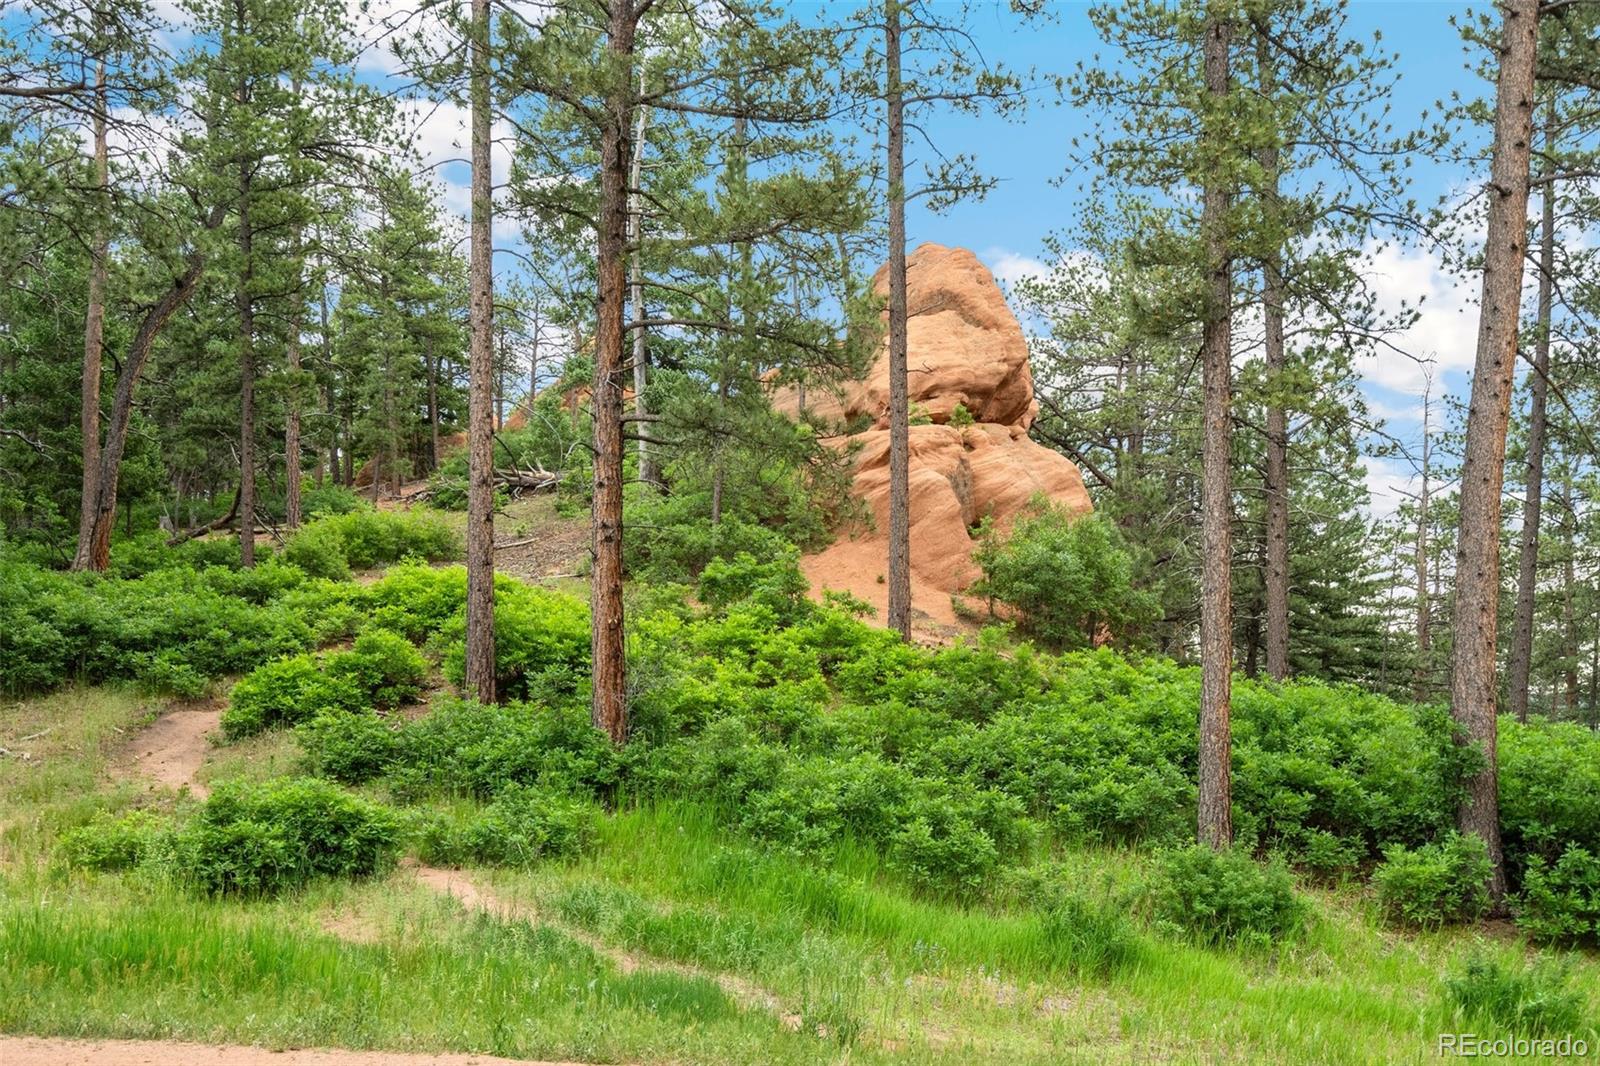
column 641, row 352
column 291, row 426
column 610, row 707
column 1472, row 681
column 480, row 674
column 1569, row 626
column 533, row 358
column 899, row 402
column 1216, row 615
column 1521, row 657
column 94, row 320
column 247, row 379
column 94, row 546
column 1276, row 487
column 1420, row 686
column 433, row 405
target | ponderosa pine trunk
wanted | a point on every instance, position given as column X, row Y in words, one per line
column 245, row 301
column 1276, row 480
column 480, row 673
column 94, row 319
column 1520, row 665
column 609, row 708
column 1215, row 823
column 899, row 402
column 291, row 425
column 1477, row 598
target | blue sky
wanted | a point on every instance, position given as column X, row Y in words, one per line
column 1007, row 229
column 1030, row 156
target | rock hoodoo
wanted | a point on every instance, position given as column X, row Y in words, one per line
column 966, row 349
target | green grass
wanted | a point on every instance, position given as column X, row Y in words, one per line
column 673, row 941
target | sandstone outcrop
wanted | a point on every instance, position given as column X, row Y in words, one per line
column 966, row 349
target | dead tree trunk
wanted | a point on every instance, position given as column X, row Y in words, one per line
column 1472, row 681
column 641, row 351
column 94, row 549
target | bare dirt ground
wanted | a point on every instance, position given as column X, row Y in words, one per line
column 41, row 1051
column 172, row 749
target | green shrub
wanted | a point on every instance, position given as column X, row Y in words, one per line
column 774, row 582
column 1088, row 937
column 360, row 539
column 1561, row 903
column 1226, row 896
column 286, row 692
column 468, row 748
column 115, row 842
column 260, row 839
column 1068, row 577
column 1435, row 884
column 536, row 631
column 383, row 666
column 318, row 549
column 350, row 748
column 1534, row 1000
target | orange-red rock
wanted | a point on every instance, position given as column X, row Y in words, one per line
column 965, row 347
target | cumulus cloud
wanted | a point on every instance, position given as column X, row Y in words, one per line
column 1446, row 328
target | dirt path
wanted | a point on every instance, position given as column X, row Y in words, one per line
column 172, row 749
column 472, row 896
column 41, row 1051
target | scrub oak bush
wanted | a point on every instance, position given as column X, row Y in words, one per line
column 1560, row 903
column 1219, row 896
column 382, row 670
column 349, row 748
column 1436, row 884
column 334, row 545
column 536, row 632
column 261, row 839
column 1069, row 577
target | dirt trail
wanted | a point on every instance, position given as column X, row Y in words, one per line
column 457, row 885
column 175, row 745
column 41, row 1051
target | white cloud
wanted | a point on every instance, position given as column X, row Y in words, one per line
column 1010, row 267
column 1446, row 328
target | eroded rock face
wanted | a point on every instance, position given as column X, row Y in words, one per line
column 965, row 348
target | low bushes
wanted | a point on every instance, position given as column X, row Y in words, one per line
column 262, row 839
column 541, row 641
column 522, row 826
column 331, row 546
column 173, row 629
column 116, row 842
column 1560, row 903
column 1220, row 896
column 381, row 670
column 1437, row 883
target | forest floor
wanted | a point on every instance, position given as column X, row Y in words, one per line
column 670, row 942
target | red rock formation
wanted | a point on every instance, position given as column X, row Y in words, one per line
column 966, row 348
